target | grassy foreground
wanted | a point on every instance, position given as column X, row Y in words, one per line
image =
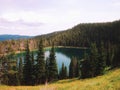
column 109, row 81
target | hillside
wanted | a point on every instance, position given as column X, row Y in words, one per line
column 109, row 81
column 12, row 37
column 81, row 35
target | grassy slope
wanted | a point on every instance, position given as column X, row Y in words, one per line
column 109, row 81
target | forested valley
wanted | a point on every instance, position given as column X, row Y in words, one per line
column 102, row 39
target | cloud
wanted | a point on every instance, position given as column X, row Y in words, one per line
column 20, row 27
column 43, row 16
column 6, row 23
column 116, row 4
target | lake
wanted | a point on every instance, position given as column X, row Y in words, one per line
column 63, row 55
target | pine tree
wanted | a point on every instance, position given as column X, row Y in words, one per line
column 4, row 70
column 27, row 69
column 94, row 59
column 5, row 79
column 20, row 70
column 85, row 67
column 32, row 59
column 102, row 60
column 108, row 62
column 63, row 72
column 40, row 66
column 116, row 59
column 72, row 68
column 77, row 73
column 94, row 64
column 53, row 70
column 33, row 69
column 60, row 73
column 17, row 79
column 47, row 69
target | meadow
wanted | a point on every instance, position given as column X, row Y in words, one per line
column 109, row 81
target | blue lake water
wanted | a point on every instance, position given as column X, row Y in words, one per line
column 63, row 55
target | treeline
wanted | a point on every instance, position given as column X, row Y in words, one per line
column 94, row 64
column 8, row 70
column 13, row 46
column 98, row 60
column 81, row 35
column 29, row 71
column 35, row 71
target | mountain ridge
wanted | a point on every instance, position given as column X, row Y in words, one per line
column 85, row 33
column 81, row 35
column 4, row 37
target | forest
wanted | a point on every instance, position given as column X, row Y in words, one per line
column 80, row 35
column 102, row 39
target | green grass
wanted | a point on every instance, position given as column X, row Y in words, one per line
column 109, row 81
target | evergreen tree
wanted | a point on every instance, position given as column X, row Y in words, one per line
column 40, row 66
column 63, row 72
column 94, row 59
column 33, row 69
column 108, row 60
column 4, row 70
column 47, row 68
column 27, row 69
column 60, row 73
column 95, row 65
column 102, row 60
column 20, row 70
column 77, row 73
column 116, row 59
column 53, row 70
column 5, row 79
column 72, row 67
column 17, row 80
column 32, row 59
column 85, row 67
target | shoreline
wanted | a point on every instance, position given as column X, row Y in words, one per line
column 18, row 52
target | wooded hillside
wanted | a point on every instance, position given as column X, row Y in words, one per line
column 81, row 35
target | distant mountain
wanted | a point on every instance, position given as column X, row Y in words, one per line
column 12, row 37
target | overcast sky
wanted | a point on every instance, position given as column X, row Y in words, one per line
column 36, row 17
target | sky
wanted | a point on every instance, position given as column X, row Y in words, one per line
column 36, row 17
